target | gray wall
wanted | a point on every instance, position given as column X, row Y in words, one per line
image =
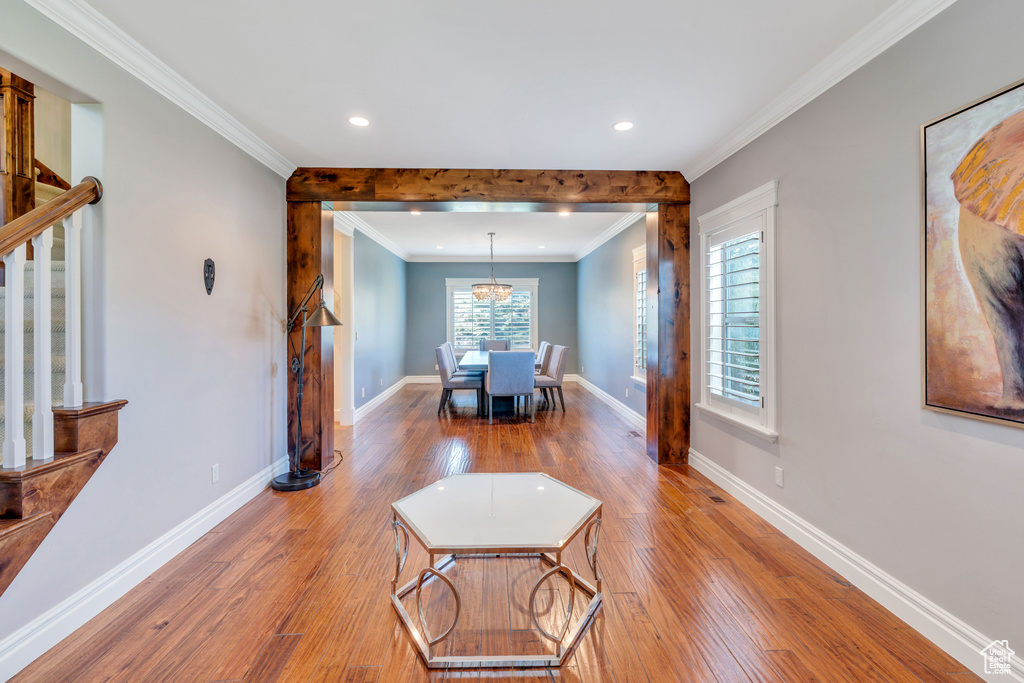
column 204, row 375
column 556, row 306
column 380, row 318
column 606, row 307
column 933, row 499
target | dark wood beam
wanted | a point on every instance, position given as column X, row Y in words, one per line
column 668, row 340
column 490, row 185
column 668, row 244
column 311, row 252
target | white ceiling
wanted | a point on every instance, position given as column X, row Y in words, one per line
column 471, row 84
column 463, row 236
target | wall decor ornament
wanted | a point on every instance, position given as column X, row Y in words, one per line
column 209, row 273
column 973, row 162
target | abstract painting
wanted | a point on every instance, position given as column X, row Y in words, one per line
column 974, row 259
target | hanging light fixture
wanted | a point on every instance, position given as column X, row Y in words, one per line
column 492, row 290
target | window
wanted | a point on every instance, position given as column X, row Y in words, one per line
column 470, row 320
column 738, row 311
column 640, row 313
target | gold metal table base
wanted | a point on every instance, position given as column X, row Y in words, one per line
column 424, row 641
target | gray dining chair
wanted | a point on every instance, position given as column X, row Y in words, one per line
column 450, row 350
column 545, row 367
column 551, row 378
column 543, row 357
column 450, row 383
column 494, row 344
column 509, row 373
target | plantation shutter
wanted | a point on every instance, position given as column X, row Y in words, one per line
column 641, row 320
column 732, row 368
column 512, row 319
column 472, row 319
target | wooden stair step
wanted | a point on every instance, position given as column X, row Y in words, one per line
column 46, row 486
column 33, row 497
column 18, row 540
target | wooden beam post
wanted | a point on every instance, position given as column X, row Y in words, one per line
column 311, row 252
column 668, row 339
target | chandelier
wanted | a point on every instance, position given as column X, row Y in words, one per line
column 492, row 290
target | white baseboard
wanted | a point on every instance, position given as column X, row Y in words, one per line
column 634, row 418
column 374, row 403
column 423, row 379
column 19, row 649
column 959, row 639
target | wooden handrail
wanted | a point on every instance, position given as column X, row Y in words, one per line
column 23, row 228
column 46, row 176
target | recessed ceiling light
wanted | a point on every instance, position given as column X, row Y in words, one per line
column 358, row 121
column 440, row 247
column 415, row 213
column 540, row 246
column 623, row 125
column 564, row 213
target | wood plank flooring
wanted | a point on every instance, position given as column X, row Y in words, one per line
column 294, row 586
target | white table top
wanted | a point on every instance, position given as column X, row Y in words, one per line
column 528, row 512
column 477, row 360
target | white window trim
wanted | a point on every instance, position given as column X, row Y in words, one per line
column 639, row 263
column 764, row 201
column 520, row 283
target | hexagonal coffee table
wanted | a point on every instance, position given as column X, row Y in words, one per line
column 496, row 515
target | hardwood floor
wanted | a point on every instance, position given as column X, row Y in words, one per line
column 294, row 586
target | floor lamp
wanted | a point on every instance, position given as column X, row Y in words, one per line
column 297, row 478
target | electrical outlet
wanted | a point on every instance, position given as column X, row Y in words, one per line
column 778, row 477
column 357, row 336
column 364, row 393
column 627, row 393
column 214, row 474
column 435, row 367
column 382, row 381
column 582, row 369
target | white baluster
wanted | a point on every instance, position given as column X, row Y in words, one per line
column 73, row 304
column 14, row 358
column 42, row 415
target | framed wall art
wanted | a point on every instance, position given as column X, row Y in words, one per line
column 973, row 162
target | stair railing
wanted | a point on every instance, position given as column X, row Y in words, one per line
column 37, row 226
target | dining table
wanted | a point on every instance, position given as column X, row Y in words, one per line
column 476, row 361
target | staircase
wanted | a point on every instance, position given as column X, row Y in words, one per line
column 61, row 449
column 57, row 337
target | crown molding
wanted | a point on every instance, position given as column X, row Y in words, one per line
column 99, row 33
column 890, row 27
column 618, row 226
column 342, row 224
column 350, row 221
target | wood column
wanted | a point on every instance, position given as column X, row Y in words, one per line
column 311, row 252
column 668, row 334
